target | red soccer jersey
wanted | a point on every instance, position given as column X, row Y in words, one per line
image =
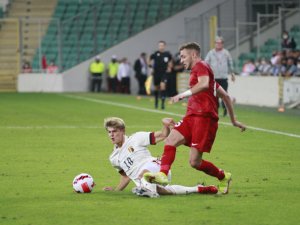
column 203, row 103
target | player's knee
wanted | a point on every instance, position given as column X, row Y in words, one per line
column 194, row 163
column 171, row 141
column 174, row 139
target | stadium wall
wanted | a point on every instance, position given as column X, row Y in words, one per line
column 31, row 82
column 252, row 90
column 264, row 91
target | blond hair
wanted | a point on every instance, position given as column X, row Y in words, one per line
column 114, row 122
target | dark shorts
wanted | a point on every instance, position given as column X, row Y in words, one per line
column 158, row 78
column 199, row 132
column 223, row 83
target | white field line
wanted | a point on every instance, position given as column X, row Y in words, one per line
column 174, row 114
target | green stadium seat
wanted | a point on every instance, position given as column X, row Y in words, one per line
column 1, row 13
column 120, row 8
column 72, row 8
column 115, row 21
column 295, row 28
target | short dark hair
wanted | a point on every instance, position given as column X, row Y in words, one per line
column 162, row 42
column 191, row 46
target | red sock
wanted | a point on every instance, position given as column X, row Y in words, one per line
column 211, row 169
column 167, row 158
column 207, row 189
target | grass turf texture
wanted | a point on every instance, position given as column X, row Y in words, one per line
column 47, row 139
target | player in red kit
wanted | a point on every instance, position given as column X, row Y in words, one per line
column 199, row 126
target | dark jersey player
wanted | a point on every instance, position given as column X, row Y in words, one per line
column 199, row 126
column 159, row 60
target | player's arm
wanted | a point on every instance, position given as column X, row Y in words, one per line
column 221, row 93
column 124, row 181
column 168, row 124
column 202, row 85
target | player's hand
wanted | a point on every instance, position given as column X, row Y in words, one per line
column 176, row 98
column 169, row 122
column 239, row 125
column 108, row 189
column 233, row 77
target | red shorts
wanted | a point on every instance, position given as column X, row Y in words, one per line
column 199, row 132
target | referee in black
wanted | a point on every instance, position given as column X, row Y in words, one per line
column 159, row 61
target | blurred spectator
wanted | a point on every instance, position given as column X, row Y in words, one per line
column 221, row 63
column 278, row 68
column 264, row 68
column 141, row 72
column 124, row 73
column 171, row 76
column 257, row 64
column 248, row 68
column 52, row 68
column 112, row 73
column 287, row 42
column 291, row 68
column 44, row 63
column 298, row 68
column 296, row 54
column 97, row 69
column 27, row 68
column 175, row 67
column 276, row 57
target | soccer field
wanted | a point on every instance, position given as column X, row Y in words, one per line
column 47, row 139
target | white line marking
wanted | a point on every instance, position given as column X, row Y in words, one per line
column 172, row 114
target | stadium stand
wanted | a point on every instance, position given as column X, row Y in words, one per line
column 87, row 28
column 20, row 16
column 271, row 45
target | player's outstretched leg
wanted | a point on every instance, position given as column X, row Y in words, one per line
column 183, row 190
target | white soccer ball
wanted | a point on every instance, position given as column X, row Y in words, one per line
column 83, row 183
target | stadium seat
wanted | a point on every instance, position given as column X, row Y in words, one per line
column 114, row 22
column 1, row 12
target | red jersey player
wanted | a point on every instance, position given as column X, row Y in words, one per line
column 199, row 126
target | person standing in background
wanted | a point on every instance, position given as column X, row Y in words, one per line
column 221, row 63
column 141, row 72
column 97, row 68
column 124, row 73
column 159, row 60
column 112, row 72
column 52, row 68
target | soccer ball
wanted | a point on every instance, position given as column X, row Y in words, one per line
column 83, row 183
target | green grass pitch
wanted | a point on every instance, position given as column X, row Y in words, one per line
column 47, row 139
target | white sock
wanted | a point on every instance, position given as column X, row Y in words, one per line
column 181, row 190
column 149, row 186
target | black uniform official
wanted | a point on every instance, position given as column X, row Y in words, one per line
column 160, row 60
